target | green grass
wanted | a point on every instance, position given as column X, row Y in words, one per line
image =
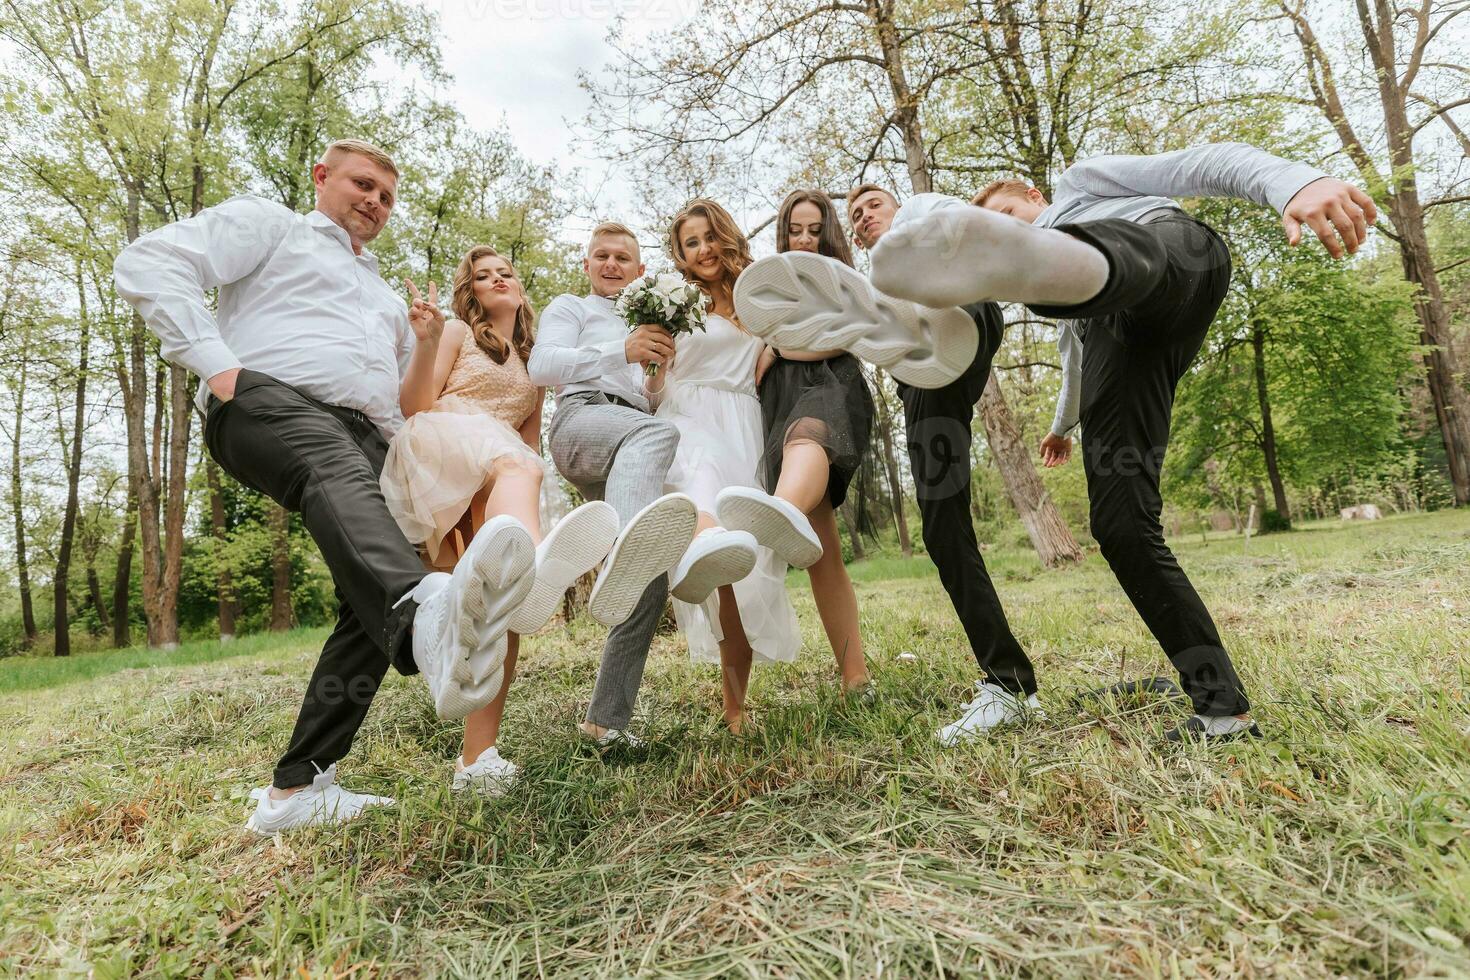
column 832, row 840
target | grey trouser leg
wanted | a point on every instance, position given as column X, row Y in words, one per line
column 620, row 455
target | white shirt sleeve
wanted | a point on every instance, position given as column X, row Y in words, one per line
column 1069, row 399
column 558, row 358
column 165, row 273
column 1213, row 170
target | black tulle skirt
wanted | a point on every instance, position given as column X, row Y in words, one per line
column 825, row 402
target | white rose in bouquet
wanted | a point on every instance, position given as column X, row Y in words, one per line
column 665, row 300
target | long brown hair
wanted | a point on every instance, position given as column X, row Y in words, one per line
column 734, row 249
column 467, row 308
column 831, row 242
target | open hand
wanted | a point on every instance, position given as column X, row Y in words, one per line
column 1055, row 450
column 1331, row 208
column 764, row 362
column 425, row 317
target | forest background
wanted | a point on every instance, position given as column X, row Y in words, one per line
column 1323, row 385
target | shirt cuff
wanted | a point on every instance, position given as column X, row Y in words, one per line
column 612, row 356
column 1293, row 179
column 208, row 358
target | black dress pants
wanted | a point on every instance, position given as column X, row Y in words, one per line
column 1167, row 278
column 937, row 423
column 324, row 462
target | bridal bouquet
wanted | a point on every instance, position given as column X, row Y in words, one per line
column 665, row 300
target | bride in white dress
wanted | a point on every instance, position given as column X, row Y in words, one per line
column 709, row 392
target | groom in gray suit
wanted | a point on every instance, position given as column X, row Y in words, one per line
column 607, row 445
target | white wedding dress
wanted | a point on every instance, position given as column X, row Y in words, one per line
column 711, row 397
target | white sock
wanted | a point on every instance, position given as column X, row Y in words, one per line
column 1223, row 724
column 968, row 254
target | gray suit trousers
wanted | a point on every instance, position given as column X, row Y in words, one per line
column 611, row 452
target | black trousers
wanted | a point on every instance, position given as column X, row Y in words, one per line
column 1167, row 278
column 937, row 423
column 325, row 461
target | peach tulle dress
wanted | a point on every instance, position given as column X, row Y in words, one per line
column 443, row 456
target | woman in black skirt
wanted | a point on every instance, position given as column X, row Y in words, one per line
column 818, row 416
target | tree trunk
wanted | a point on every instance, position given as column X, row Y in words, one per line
column 94, row 592
column 1260, row 508
column 181, row 424
column 225, row 582
column 890, row 466
column 1436, row 334
column 73, row 479
column 1268, row 430
column 854, row 535
column 122, row 581
column 22, row 566
column 1049, row 534
column 141, row 475
column 280, row 522
column 1400, row 193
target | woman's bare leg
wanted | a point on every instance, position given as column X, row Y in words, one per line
column 736, row 656
column 804, row 476
column 804, row 471
column 515, row 489
column 836, row 601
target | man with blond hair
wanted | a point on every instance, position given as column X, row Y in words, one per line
column 606, row 443
column 301, row 363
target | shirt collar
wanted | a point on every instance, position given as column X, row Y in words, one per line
column 321, row 222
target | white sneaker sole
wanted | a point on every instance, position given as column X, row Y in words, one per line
column 495, row 574
column 572, row 549
column 652, row 543
column 770, row 526
column 810, row 302
column 724, row 565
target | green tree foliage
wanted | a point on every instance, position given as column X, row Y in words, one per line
column 1335, row 350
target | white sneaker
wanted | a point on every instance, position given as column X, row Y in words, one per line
column 572, row 549
column 459, row 629
column 810, row 302
column 489, row 773
column 322, row 802
column 991, row 707
column 654, row 540
column 716, row 557
column 776, row 524
column 612, row 737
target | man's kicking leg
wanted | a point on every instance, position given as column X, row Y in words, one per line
column 1142, row 333
column 325, row 462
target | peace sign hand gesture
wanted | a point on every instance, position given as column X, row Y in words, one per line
column 425, row 317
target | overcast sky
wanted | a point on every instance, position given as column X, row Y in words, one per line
column 516, row 61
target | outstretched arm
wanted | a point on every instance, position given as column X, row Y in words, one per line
column 1069, row 399
column 436, row 348
column 1301, row 193
column 165, row 273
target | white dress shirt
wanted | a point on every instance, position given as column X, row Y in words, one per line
column 579, row 347
column 294, row 302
